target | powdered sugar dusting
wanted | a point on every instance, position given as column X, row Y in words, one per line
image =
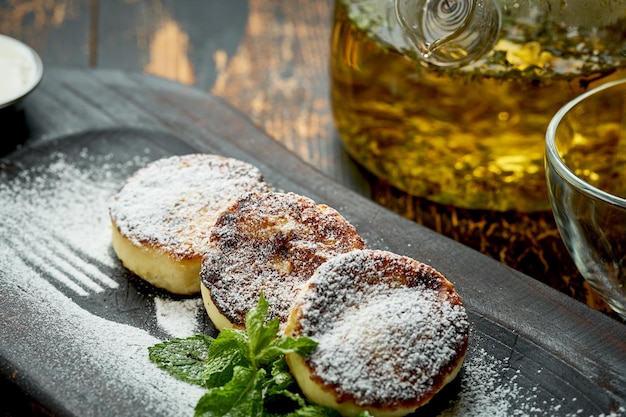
column 59, row 201
column 388, row 369
column 388, row 330
column 173, row 202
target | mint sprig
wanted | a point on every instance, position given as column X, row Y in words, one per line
column 185, row 359
column 245, row 372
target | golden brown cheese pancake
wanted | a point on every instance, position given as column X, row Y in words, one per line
column 391, row 333
column 163, row 215
column 270, row 242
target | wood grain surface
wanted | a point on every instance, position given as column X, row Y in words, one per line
column 269, row 60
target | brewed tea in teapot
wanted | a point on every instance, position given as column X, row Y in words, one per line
column 449, row 100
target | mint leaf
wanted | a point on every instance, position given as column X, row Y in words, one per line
column 281, row 378
column 260, row 333
column 265, row 348
column 283, row 345
column 183, row 358
column 228, row 350
column 282, row 390
column 280, row 397
column 242, row 396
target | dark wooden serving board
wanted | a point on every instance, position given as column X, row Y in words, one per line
column 73, row 351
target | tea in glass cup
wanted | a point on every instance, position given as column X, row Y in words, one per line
column 586, row 174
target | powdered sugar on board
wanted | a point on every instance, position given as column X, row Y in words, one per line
column 57, row 268
column 103, row 365
column 179, row 318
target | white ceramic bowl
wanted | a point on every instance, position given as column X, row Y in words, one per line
column 21, row 70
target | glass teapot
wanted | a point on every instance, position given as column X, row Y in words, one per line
column 449, row 99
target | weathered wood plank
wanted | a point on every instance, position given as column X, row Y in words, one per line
column 179, row 40
column 58, row 30
column 278, row 77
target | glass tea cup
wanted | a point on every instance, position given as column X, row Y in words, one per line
column 586, row 174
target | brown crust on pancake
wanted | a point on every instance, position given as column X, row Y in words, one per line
column 270, row 242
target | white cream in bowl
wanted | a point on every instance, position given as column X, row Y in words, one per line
column 21, row 70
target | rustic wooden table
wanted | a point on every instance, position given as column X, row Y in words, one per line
column 269, row 60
